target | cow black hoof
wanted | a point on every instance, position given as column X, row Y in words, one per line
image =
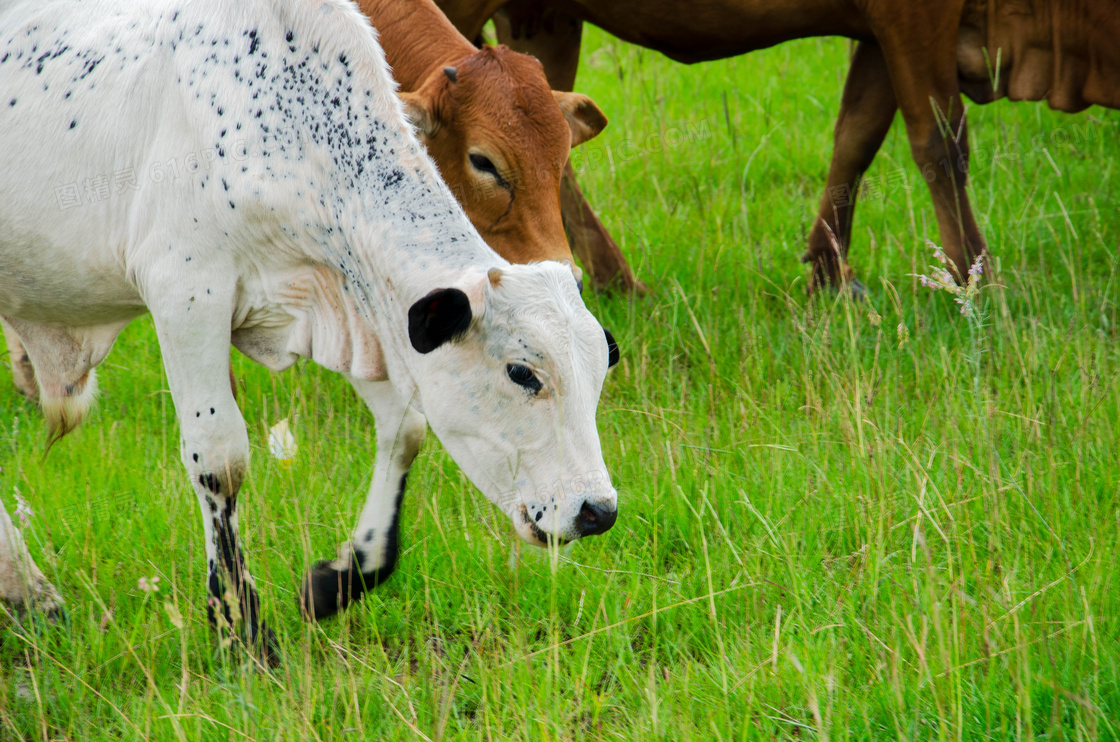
column 258, row 644
column 267, row 648
column 326, row 590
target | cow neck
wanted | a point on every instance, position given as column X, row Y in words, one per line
column 405, row 236
column 417, row 38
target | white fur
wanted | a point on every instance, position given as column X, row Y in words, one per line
column 22, row 585
column 314, row 220
column 63, row 414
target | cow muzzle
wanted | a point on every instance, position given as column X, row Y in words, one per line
column 595, row 518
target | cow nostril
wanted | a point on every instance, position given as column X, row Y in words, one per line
column 593, row 519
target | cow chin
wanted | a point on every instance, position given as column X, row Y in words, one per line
column 531, row 533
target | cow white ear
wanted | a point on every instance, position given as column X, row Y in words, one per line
column 584, row 117
column 577, row 273
column 440, row 317
column 419, row 112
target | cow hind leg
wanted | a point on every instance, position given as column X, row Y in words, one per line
column 928, row 93
column 22, row 371
column 370, row 557
column 193, row 327
column 23, row 588
column 867, row 110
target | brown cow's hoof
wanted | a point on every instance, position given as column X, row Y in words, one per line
column 638, row 288
column 856, row 288
column 833, row 275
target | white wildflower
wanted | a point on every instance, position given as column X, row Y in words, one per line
column 281, row 442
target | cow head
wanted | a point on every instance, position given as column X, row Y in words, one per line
column 500, row 138
column 509, row 373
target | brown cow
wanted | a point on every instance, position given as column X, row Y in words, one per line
column 916, row 56
column 499, row 135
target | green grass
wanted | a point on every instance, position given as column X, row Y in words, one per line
column 831, row 527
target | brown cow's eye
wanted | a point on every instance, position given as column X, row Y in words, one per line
column 483, row 164
column 524, row 377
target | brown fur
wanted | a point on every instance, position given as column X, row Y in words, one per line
column 913, row 56
column 498, row 105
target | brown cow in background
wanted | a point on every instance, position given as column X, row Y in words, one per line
column 499, row 135
column 916, row 56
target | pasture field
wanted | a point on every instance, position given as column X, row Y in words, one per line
column 839, row 520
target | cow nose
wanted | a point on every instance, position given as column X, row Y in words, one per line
column 594, row 519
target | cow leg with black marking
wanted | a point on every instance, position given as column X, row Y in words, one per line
column 370, row 557
column 192, row 319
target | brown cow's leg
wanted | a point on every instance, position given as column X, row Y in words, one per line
column 923, row 65
column 866, row 113
column 553, row 37
column 592, row 243
column 22, row 370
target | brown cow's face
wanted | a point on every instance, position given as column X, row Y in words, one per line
column 500, row 138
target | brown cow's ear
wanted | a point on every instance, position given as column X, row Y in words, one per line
column 584, row 117
column 419, row 112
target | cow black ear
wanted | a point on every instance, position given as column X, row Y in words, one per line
column 441, row 316
column 612, row 349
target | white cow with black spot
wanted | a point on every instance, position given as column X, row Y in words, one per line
column 244, row 172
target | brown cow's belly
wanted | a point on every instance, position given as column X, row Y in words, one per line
column 704, row 30
column 1065, row 52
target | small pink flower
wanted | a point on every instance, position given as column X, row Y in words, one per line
column 945, row 279
column 977, row 268
column 23, row 510
column 149, row 584
column 938, row 253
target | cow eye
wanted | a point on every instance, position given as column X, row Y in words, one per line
column 482, row 164
column 524, row 377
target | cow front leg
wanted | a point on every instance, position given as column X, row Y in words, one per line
column 22, row 370
column 192, row 320
column 23, row 588
column 370, row 556
column 554, row 37
column 867, row 110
